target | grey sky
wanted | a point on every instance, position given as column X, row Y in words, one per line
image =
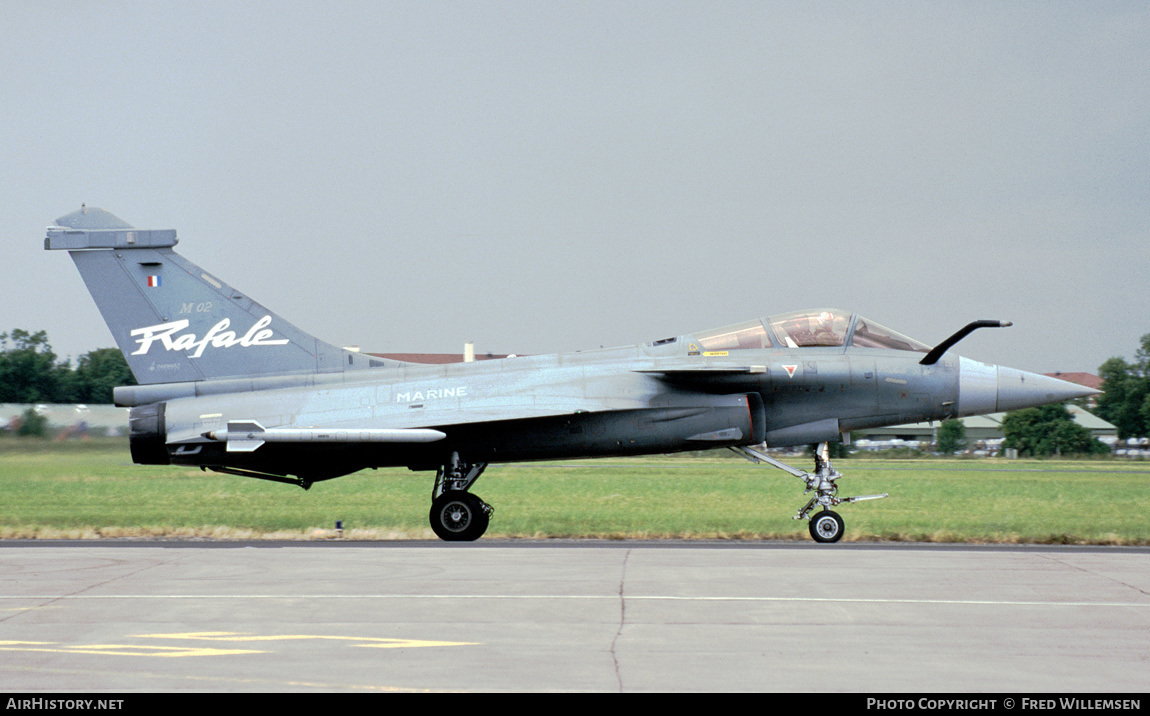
column 551, row 176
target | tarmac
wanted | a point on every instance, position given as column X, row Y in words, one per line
column 598, row 616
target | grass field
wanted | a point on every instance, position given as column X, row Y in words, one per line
column 92, row 490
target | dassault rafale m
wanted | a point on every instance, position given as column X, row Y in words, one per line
column 227, row 385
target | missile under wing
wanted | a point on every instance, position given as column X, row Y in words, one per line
column 230, row 386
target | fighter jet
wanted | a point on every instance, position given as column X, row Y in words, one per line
column 227, row 385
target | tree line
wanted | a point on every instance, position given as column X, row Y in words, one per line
column 1033, row 432
column 31, row 373
column 1126, row 402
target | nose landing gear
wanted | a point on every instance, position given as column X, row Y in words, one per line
column 826, row 526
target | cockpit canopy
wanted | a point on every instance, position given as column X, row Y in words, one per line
column 828, row 327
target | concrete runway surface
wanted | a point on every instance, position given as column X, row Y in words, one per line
column 572, row 616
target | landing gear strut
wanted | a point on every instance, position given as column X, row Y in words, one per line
column 456, row 514
column 826, row 526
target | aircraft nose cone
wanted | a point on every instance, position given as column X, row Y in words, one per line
column 994, row 389
column 1018, row 389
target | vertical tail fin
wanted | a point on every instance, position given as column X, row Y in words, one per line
column 175, row 322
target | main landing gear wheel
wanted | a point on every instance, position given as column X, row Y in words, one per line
column 826, row 526
column 458, row 516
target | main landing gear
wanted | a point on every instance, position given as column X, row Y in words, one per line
column 456, row 514
column 826, row 526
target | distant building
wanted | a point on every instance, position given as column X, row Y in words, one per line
column 1086, row 379
column 979, row 429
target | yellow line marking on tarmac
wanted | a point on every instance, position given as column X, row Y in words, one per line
column 119, row 649
column 143, row 650
column 368, row 642
column 212, row 636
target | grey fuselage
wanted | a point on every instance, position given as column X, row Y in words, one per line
column 624, row 401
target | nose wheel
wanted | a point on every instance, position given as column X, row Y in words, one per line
column 826, row 527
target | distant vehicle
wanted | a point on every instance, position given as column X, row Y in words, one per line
column 228, row 385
